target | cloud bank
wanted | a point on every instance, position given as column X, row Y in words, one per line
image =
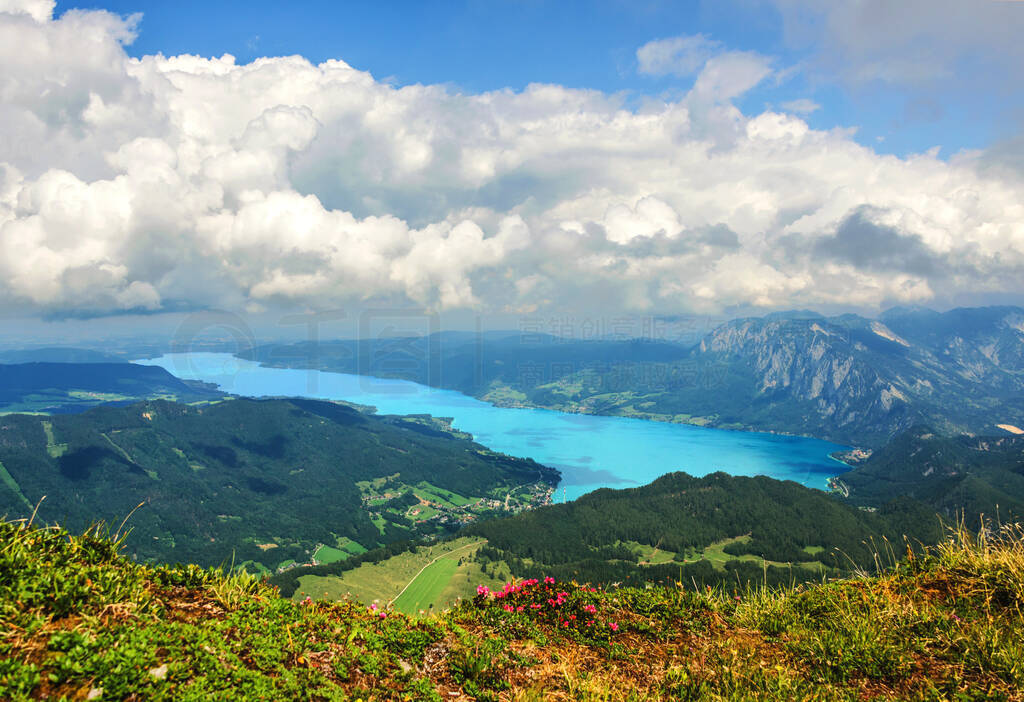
column 186, row 182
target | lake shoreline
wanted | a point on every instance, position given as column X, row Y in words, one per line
column 591, row 450
column 569, row 409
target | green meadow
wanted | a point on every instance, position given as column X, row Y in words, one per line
column 344, row 548
column 426, row 588
column 431, row 577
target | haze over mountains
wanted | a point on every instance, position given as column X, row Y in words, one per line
column 845, row 378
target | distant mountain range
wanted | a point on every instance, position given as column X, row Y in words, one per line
column 58, row 354
column 845, row 378
column 63, row 387
column 863, row 381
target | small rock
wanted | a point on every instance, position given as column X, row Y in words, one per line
column 95, row 693
column 159, row 673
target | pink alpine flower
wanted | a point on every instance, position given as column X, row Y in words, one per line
column 590, row 609
column 483, row 590
column 549, row 580
column 613, row 626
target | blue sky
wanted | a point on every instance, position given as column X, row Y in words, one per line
column 481, row 45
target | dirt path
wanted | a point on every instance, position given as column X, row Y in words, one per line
column 446, row 553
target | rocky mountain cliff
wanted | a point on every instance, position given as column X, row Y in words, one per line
column 846, row 378
column 849, row 377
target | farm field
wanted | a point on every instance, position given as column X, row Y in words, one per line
column 447, row 498
column 342, row 550
column 430, row 577
column 329, row 554
column 650, row 555
column 718, row 557
column 426, row 587
column 54, row 449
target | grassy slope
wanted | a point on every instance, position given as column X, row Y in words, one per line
column 78, row 621
column 430, row 577
column 426, row 587
column 442, row 583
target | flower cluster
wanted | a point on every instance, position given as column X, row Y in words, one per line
column 374, row 609
column 572, row 609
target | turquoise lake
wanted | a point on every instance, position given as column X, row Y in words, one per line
column 591, row 451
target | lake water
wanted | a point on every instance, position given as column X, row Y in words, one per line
column 590, row 451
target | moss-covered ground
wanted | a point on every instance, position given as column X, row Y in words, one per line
column 79, row 621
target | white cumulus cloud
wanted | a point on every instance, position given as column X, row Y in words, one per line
column 185, row 182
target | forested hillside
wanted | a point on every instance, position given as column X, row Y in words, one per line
column 703, row 530
column 967, row 475
column 260, row 482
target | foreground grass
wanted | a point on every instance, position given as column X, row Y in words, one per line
column 78, row 621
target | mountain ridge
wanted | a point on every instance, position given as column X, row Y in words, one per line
column 845, row 378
